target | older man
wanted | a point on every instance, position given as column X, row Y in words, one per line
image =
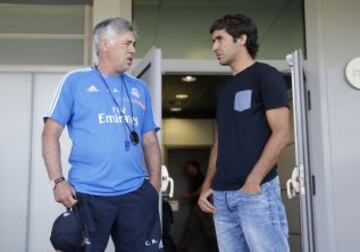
column 110, row 121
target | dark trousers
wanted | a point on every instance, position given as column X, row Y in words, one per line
column 132, row 220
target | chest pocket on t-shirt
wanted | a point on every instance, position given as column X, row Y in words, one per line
column 242, row 100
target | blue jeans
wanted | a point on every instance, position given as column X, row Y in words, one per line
column 246, row 222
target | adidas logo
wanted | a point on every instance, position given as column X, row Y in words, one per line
column 92, row 89
column 135, row 92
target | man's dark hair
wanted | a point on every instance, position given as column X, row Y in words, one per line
column 194, row 164
column 237, row 25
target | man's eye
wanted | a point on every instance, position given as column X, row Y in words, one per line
column 131, row 43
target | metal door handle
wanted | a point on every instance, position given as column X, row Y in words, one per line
column 166, row 182
column 293, row 184
column 171, row 190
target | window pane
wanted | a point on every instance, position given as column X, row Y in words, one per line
column 41, row 52
column 41, row 19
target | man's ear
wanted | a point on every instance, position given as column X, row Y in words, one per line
column 104, row 45
column 242, row 39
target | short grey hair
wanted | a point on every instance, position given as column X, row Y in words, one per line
column 110, row 27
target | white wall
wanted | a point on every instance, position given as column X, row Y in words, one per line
column 43, row 209
column 15, row 156
column 332, row 40
column 28, row 208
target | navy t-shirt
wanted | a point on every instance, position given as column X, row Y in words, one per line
column 243, row 129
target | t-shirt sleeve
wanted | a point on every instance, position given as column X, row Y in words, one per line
column 63, row 103
column 149, row 123
column 273, row 89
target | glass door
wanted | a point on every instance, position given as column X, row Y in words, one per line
column 299, row 185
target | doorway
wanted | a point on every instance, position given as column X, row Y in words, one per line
column 177, row 158
column 199, row 104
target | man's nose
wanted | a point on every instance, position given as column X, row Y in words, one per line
column 214, row 47
column 132, row 48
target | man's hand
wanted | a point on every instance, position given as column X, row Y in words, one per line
column 155, row 182
column 204, row 202
column 251, row 188
column 65, row 194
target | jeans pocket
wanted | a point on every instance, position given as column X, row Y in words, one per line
column 250, row 194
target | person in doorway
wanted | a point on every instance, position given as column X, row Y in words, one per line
column 109, row 118
column 253, row 127
column 198, row 220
